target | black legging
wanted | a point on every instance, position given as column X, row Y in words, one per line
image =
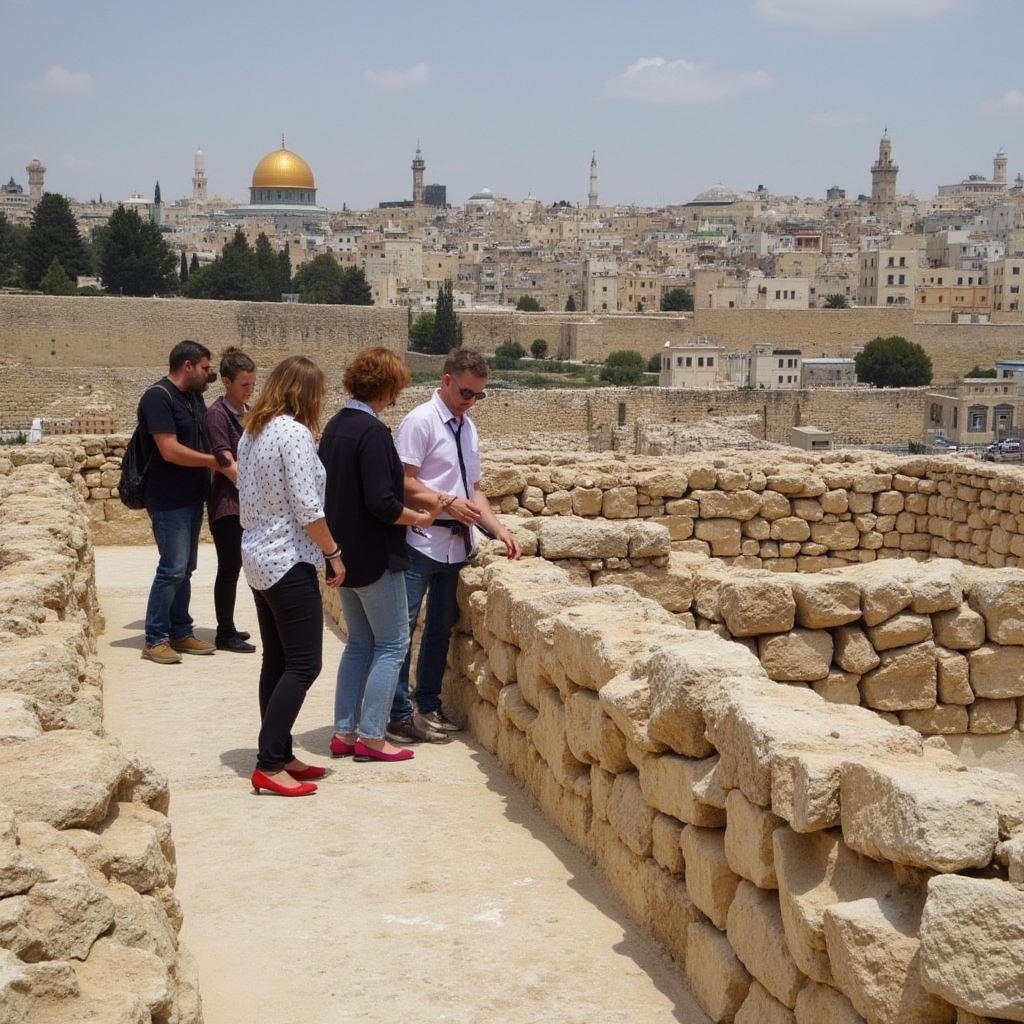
column 227, row 539
column 291, row 618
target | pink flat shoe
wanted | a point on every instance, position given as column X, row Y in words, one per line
column 339, row 748
column 362, row 752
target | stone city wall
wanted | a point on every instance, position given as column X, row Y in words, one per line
column 804, row 861
column 88, row 917
column 854, row 417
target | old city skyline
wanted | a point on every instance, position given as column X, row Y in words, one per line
column 787, row 79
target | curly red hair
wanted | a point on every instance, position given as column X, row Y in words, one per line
column 376, row 373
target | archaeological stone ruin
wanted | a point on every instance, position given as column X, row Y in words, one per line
column 777, row 698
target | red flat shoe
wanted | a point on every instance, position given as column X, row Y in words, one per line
column 339, row 748
column 361, row 752
column 311, row 771
column 261, row 782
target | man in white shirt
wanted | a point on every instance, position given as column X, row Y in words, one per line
column 440, row 449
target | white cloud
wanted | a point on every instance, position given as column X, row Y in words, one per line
column 398, row 78
column 838, row 119
column 656, row 80
column 58, row 79
column 1010, row 104
column 850, row 15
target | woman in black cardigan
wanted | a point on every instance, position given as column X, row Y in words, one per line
column 366, row 513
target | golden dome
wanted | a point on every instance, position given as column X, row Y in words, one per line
column 282, row 169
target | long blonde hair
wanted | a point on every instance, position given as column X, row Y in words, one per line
column 295, row 387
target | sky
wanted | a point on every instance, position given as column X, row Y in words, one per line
column 673, row 95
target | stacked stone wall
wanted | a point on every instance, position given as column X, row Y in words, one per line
column 88, row 917
column 804, row 861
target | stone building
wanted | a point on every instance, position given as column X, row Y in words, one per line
column 827, row 371
column 883, row 183
column 887, row 277
column 976, row 412
column 691, row 364
column 284, row 191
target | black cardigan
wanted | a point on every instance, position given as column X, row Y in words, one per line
column 365, row 486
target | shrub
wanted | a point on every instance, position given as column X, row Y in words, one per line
column 538, row 348
column 624, row 368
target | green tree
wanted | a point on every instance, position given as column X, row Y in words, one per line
column 53, row 235
column 320, row 279
column 231, row 276
column 156, row 195
column 676, row 300
column 980, row 372
column 12, row 245
column 421, row 331
column 654, row 363
column 56, row 282
column 893, row 362
column 284, row 269
column 538, row 348
column 358, row 291
column 624, row 368
column 135, row 259
column 570, row 304
column 268, row 271
column 507, row 356
column 183, row 269
column 447, row 326
column 528, row 304
column 193, row 264
column 836, row 300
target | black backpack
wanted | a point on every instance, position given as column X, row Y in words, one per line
column 131, row 488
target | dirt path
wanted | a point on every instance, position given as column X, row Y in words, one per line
column 432, row 892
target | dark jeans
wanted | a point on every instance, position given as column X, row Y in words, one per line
column 438, row 582
column 291, row 620
column 176, row 532
column 227, row 539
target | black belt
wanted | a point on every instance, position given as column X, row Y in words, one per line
column 456, row 527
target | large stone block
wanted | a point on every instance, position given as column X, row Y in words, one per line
column 901, row 630
column 666, row 833
column 748, row 840
column 571, row 537
column 802, row 654
column 823, row 602
column 750, row 607
column 591, row 735
column 997, row 672
column 918, row 813
column 757, row 937
column 717, row 978
column 723, row 535
column 875, row 954
column 972, row 945
column 710, row 882
column 853, row 650
column 998, row 595
column 761, row 1008
column 821, row 1004
column 629, row 815
column 668, row 782
column 740, row 504
column 836, row 536
column 959, row 629
column 815, row 872
column 906, row 679
column 670, row 909
column 672, row 588
column 548, row 735
column 954, row 678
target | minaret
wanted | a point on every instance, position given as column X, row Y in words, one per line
column 199, row 178
column 419, row 165
column 999, row 167
column 35, row 171
column 592, row 194
column 883, row 183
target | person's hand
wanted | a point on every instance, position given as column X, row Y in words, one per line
column 464, row 512
column 511, row 544
column 337, row 567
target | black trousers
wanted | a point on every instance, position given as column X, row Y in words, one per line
column 291, row 620
column 227, row 539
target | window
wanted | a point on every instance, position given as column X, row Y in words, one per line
column 689, row 361
column 903, row 261
column 679, row 360
column 700, row 360
column 782, row 362
column 977, row 419
column 903, row 279
column 622, row 414
column 956, row 416
column 711, row 360
column 890, row 280
column 1015, row 271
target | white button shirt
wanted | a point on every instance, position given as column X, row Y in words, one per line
column 281, row 483
column 425, row 439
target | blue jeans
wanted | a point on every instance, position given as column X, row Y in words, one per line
column 377, row 618
column 176, row 531
column 438, row 582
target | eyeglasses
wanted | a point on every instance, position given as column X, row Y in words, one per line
column 468, row 393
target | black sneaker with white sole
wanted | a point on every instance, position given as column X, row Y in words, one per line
column 441, row 722
column 414, row 730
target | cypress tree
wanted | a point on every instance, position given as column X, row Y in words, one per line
column 284, row 270
column 136, row 260
column 447, row 328
column 183, row 269
column 53, row 235
column 156, row 195
column 193, row 264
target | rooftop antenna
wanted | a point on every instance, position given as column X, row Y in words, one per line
column 282, row 140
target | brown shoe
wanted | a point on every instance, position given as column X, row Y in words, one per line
column 161, row 654
column 414, row 730
column 192, row 645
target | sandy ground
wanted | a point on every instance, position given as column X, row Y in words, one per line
column 427, row 892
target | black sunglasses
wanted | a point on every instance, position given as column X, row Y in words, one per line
column 468, row 393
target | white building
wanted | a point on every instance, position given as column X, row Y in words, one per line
column 691, row 364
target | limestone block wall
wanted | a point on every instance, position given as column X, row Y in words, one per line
column 804, row 861
column 88, row 917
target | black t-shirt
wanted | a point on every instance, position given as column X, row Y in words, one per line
column 164, row 409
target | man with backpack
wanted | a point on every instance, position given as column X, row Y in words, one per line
column 177, row 482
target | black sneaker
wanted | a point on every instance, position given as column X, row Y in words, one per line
column 242, row 635
column 236, row 645
column 414, row 730
column 441, row 722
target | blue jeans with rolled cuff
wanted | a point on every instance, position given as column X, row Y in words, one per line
column 176, row 532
